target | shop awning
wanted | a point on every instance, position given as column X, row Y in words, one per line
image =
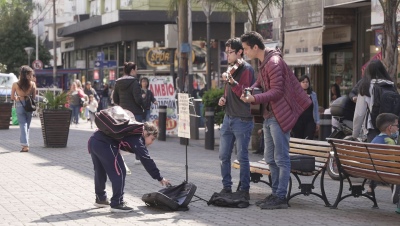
column 303, row 47
column 59, row 71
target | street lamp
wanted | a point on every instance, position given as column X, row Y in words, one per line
column 29, row 51
column 208, row 8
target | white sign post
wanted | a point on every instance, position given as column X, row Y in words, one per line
column 184, row 116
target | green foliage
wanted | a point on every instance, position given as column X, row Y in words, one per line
column 210, row 99
column 15, row 35
column 54, row 101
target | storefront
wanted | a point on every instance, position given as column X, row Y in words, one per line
column 132, row 36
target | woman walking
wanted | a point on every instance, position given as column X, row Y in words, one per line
column 20, row 91
column 75, row 94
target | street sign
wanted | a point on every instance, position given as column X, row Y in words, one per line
column 37, row 64
column 100, row 56
column 98, row 64
column 112, row 63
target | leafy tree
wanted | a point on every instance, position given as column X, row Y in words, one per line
column 15, row 35
column 390, row 34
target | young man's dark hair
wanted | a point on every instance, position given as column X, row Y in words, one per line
column 235, row 44
column 384, row 120
column 128, row 67
column 253, row 38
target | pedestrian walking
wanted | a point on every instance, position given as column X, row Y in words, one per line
column 20, row 91
column 148, row 98
column 92, row 109
column 127, row 92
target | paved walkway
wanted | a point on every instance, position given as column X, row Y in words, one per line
column 55, row 187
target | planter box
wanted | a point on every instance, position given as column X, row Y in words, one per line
column 55, row 127
column 5, row 115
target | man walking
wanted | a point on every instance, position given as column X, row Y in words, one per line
column 283, row 102
column 238, row 122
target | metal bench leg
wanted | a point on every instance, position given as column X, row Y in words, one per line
column 327, row 204
column 339, row 196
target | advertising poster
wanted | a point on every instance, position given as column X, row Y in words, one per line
column 184, row 116
column 164, row 92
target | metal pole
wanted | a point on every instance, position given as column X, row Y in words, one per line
column 54, row 44
column 29, row 58
column 37, row 33
column 208, row 79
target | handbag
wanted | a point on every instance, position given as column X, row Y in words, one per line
column 14, row 117
column 30, row 104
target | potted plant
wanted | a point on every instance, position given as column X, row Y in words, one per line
column 210, row 101
column 55, row 119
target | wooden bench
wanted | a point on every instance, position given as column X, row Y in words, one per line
column 378, row 162
column 318, row 149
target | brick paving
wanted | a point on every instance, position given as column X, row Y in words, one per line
column 54, row 186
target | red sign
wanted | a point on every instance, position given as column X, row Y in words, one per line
column 112, row 75
column 37, row 64
column 96, row 74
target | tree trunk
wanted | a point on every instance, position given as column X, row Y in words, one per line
column 390, row 34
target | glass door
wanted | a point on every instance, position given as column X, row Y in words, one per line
column 340, row 69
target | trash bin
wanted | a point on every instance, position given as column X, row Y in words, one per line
column 325, row 127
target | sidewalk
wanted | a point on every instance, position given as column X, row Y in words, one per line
column 49, row 186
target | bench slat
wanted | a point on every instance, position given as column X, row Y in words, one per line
column 352, row 148
column 310, row 147
column 352, row 153
column 346, row 162
column 388, row 178
column 355, row 158
column 311, row 142
column 308, row 152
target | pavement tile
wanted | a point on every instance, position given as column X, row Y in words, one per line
column 54, row 186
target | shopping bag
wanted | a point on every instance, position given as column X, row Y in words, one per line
column 14, row 117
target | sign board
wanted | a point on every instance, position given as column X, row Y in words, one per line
column 301, row 14
column 110, row 63
column 164, row 92
column 100, row 56
column 37, row 64
column 98, row 64
column 184, row 116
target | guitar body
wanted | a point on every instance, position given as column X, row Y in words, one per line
column 256, row 109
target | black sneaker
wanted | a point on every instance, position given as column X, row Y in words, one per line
column 262, row 201
column 275, row 203
column 395, row 193
column 121, row 208
column 101, row 204
column 225, row 191
column 245, row 194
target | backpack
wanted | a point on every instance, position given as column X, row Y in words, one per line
column 117, row 122
column 233, row 200
column 386, row 100
column 171, row 198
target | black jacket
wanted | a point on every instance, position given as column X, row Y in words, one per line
column 128, row 94
column 148, row 99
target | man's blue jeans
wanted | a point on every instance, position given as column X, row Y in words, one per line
column 276, row 155
column 235, row 129
column 24, row 119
